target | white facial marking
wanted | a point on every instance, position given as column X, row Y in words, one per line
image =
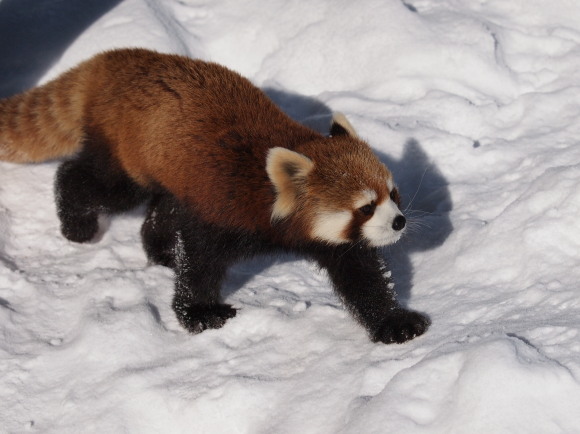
column 379, row 228
column 365, row 198
column 390, row 184
column 330, row 226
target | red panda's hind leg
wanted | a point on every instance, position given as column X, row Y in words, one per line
column 159, row 231
column 172, row 237
column 88, row 186
column 200, row 253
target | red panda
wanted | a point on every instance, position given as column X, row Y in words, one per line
column 227, row 174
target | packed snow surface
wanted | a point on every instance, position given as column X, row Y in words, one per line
column 475, row 107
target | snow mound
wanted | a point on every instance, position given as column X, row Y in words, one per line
column 478, row 385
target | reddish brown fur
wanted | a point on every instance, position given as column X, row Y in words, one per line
column 196, row 128
column 45, row 122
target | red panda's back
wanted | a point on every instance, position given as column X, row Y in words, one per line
column 197, row 128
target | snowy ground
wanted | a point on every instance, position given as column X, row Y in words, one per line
column 475, row 106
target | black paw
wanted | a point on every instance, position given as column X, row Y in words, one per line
column 197, row 318
column 80, row 229
column 401, row 326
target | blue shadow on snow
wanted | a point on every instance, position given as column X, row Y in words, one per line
column 35, row 33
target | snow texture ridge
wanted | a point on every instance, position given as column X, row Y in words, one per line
column 474, row 105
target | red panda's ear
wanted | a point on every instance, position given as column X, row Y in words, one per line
column 287, row 171
column 341, row 126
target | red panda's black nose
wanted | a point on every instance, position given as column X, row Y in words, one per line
column 399, row 222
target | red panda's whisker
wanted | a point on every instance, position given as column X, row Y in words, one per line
column 417, row 191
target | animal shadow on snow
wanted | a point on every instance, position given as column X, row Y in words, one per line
column 34, row 34
column 424, row 191
column 426, row 202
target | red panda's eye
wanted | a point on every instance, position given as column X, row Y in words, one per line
column 395, row 196
column 368, row 209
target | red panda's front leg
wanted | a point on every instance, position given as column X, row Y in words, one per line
column 363, row 282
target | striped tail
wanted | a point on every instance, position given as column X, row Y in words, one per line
column 43, row 123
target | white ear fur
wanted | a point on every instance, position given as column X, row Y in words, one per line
column 287, row 171
column 340, row 119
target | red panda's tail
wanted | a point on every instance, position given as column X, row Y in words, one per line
column 43, row 123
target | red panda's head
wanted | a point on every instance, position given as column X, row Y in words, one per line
column 340, row 192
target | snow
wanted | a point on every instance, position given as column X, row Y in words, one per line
column 474, row 105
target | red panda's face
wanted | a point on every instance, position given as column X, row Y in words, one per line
column 341, row 192
column 353, row 200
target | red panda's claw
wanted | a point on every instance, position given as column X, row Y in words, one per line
column 197, row 318
column 401, row 326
